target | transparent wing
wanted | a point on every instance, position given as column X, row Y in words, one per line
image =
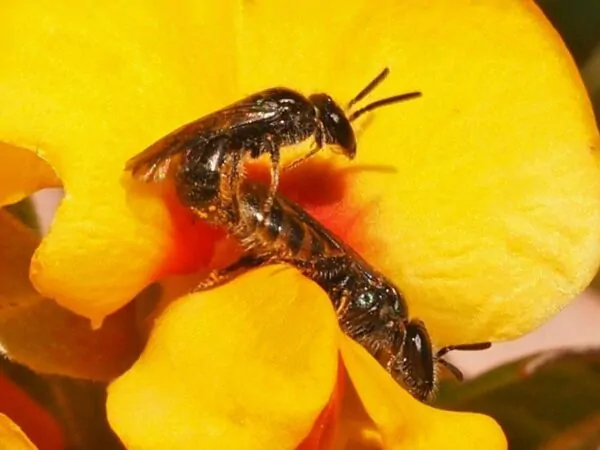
column 152, row 164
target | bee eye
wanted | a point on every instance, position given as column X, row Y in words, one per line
column 366, row 299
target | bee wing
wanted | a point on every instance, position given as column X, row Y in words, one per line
column 153, row 163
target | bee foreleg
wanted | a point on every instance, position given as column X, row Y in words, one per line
column 233, row 179
column 316, row 147
column 273, row 150
column 221, row 276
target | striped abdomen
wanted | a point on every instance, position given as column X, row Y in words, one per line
column 285, row 232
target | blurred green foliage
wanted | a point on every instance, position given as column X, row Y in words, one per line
column 540, row 401
column 77, row 405
column 578, row 22
column 26, row 213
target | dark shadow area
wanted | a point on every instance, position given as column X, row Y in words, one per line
column 317, row 182
column 578, row 22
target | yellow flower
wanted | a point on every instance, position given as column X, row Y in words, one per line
column 480, row 200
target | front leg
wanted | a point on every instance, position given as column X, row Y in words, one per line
column 315, row 148
column 233, row 181
column 333, row 274
column 326, row 271
column 198, row 176
column 273, row 149
column 221, row 276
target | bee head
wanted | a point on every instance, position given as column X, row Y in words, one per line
column 337, row 122
column 414, row 366
column 336, row 127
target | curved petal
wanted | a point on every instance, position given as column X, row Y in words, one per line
column 482, row 198
column 38, row 333
column 249, row 365
column 12, row 437
column 357, row 431
column 403, row 422
column 22, row 172
column 326, row 429
column 87, row 91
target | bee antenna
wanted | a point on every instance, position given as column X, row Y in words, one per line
column 463, row 347
column 372, row 85
column 455, row 371
column 379, row 103
column 466, row 347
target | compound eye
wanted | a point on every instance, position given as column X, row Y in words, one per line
column 418, row 350
column 418, row 358
column 336, row 118
column 366, row 299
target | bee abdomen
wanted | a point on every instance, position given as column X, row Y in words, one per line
column 274, row 221
column 279, row 230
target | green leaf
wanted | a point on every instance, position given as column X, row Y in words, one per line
column 583, row 436
column 537, row 400
column 590, row 73
column 26, row 213
column 578, row 22
column 596, row 283
column 77, row 405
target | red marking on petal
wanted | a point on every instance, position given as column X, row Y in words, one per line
column 324, row 431
column 319, row 186
column 39, row 426
column 194, row 240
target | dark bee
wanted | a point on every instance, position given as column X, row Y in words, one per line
column 207, row 155
column 370, row 308
column 260, row 124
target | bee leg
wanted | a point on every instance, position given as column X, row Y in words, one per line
column 234, row 181
column 326, row 270
column 330, row 269
column 274, row 153
column 342, row 305
column 316, row 147
column 198, row 182
column 219, row 277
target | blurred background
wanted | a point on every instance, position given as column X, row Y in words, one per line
column 545, row 389
column 578, row 22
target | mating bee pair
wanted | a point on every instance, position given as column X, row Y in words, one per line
column 207, row 158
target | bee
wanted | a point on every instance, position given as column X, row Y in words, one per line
column 370, row 308
column 260, row 124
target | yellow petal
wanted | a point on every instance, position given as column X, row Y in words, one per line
column 249, row 365
column 36, row 332
column 11, row 436
column 22, row 172
column 482, row 198
column 403, row 422
column 87, row 91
